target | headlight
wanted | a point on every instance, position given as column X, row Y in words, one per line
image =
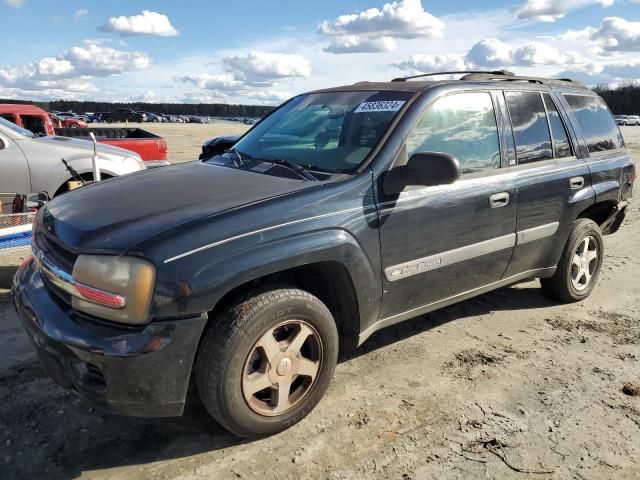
column 114, row 288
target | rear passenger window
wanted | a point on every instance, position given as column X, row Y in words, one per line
column 530, row 127
column 561, row 147
column 598, row 126
column 462, row 125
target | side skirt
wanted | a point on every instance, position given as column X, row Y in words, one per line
column 430, row 307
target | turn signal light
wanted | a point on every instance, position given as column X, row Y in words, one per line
column 100, row 297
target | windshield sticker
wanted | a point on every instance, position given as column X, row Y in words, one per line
column 381, row 106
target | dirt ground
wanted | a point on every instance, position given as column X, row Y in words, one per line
column 507, row 385
column 184, row 140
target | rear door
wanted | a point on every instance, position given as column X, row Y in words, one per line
column 438, row 242
column 553, row 182
column 609, row 162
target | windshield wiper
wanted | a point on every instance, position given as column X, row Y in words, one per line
column 297, row 168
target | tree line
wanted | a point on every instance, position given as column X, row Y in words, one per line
column 200, row 109
column 622, row 100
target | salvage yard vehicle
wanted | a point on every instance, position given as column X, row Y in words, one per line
column 149, row 146
column 344, row 211
column 68, row 122
column 124, row 115
column 152, row 148
column 28, row 117
column 37, row 164
column 631, row 120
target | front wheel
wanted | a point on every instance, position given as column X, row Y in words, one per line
column 580, row 264
column 268, row 361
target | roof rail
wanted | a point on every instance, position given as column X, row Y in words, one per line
column 503, row 75
column 459, row 72
column 522, row 78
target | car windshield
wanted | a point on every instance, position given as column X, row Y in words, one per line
column 329, row 132
column 16, row 128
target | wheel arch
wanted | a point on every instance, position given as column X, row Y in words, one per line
column 330, row 264
column 601, row 212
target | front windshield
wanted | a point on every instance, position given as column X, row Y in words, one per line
column 16, row 128
column 330, row 132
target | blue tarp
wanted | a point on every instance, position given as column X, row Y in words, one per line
column 15, row 240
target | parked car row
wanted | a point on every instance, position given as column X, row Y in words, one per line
column 628, row 119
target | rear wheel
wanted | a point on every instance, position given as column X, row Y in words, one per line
column 580, row 264
column 267, row 362
column 109, row 120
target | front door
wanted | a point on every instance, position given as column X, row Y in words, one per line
column 14, row 173
column 443, row 241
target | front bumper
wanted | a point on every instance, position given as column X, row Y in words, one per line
column 138, row 371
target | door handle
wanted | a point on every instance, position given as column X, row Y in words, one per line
column 499, row 199
column 576, row 182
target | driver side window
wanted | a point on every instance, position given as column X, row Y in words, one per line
column 462, row 125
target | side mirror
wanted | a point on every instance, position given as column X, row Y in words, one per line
column 217, row 146
column 424, row 169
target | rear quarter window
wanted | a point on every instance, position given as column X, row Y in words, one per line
column 596, row 122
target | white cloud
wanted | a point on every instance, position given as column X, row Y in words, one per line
column 15, row 3
column 100, row 60
column 432, row 63
column 71, row 72
column 617, row 35
column 146, row 23
column 264, row 68
column 80, row 15
column 357, row 44
column 374, row 30
column 270, row 96
column 493, row 53
column 213, row 82
column 401, row 19
column 552, row 10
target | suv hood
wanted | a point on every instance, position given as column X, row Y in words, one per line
column 116, row 214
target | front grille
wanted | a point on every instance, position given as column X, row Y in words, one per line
column 50, row 251
column 54, row 251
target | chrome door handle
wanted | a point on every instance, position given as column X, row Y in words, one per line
column 499, row 199
column 576, row 182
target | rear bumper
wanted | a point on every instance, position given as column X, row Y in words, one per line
column 141, row 371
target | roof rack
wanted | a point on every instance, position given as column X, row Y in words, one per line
column 459, row 72
column 501, row 75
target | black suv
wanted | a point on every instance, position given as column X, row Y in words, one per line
column 344, row 211
column 124, row 115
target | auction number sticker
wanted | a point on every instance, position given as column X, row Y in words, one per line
column 381, row 106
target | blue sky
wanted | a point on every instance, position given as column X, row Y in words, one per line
column 263, row 52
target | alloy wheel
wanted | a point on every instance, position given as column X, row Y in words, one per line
column 584, row 263
column 282, row 368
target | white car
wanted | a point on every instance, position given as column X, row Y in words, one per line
column 632, row 120
column 32, row 164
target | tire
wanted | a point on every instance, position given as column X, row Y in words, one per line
column 231, row 357
column 109, row 120
column 578, row 269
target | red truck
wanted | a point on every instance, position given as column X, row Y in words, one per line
column 151, row 148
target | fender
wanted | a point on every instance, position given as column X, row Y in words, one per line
column 218, row 274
